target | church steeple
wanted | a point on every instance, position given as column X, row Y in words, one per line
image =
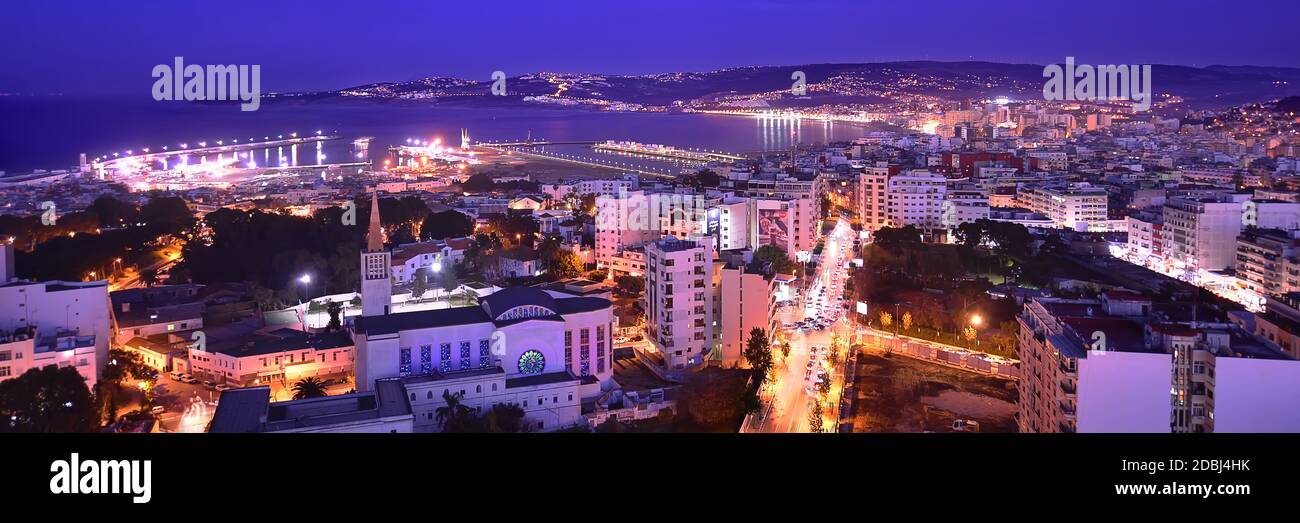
column 375, row 236
column 376, row 287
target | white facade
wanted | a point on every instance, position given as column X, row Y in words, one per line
column 679, row 300
column 1201, row 233
column 1075, row 206
column 916, row 199
column 63, row 323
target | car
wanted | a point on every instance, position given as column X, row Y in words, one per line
column 210, row 384
column 176, row 375
column 189, row 379
column 965, row 425
column 158, row 410
column 223, row 387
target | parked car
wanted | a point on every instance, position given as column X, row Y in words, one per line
column 158, row 410
column 189, row 379
column 965, row 425
column 223, row 387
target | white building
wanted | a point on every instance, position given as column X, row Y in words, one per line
column 51, row 323
column 1078, row 206
column 1201, row 233
column 384, row 410
column 544, row 351
column 679, row 300
column 916, row 199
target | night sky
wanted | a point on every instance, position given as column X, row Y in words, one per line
column 97, row 47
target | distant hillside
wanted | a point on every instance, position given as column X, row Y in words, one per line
column 1213, row 86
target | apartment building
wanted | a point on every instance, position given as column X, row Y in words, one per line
column 67, row 324
column 1078, row 206
column 744, row 300
column 1201, row 233
column 872, row 202
column 679, row 300
column 1264, row 257
column 1114, row 365
column 916, row 198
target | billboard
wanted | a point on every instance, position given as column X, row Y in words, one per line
column 712, row 226
column 773, row 229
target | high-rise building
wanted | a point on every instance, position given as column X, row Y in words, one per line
column 916, row 199
column 745, row 301
column 679, row 300
column 1201, row 233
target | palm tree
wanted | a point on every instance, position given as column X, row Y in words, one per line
column 454, row 417
column 308, row 388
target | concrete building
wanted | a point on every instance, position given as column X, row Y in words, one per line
column 872, row 202
column 1201, row 233
column 916, row 199
column 679, row 301
column 67, row 324
column 383, row 410
column 744, row 301
column 1078, row 206
column 1263, row 257
column 1113, row 365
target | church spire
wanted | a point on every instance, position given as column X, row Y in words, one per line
column 375, row 236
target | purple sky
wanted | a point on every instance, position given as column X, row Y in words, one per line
column 98, row 47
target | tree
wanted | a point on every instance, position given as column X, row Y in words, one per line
column 149, row 277
column 758, row 353
column 309, row 387
column 630, row 285
column 446, row 224
column 47, row 399
column 420, row 284
column 711, row 399
column 886, row 319
column 335, row 310
column 907, row 321
column 503, row 417
column 815, row 423
column 775, row 258
column 563, row 265
column 122, row 365
column 454, row 416
column 785, row 349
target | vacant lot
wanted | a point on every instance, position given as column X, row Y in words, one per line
column 900, row 394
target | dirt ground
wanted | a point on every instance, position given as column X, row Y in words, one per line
column 901, row 394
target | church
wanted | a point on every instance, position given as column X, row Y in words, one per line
column 545, row 350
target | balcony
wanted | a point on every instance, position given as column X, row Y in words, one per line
column 1068, row 388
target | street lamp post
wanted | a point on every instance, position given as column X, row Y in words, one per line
column 305, row 280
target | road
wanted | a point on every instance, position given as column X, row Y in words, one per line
column 786, row 395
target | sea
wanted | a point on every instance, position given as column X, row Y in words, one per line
column 50, row 132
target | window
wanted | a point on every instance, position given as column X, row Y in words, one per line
column 568, row 349
column 484, row 354
column 426, row 359
column 464, row 355
column 444, row 357
column 404, row 362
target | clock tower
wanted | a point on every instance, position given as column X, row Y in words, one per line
column 376, row 285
